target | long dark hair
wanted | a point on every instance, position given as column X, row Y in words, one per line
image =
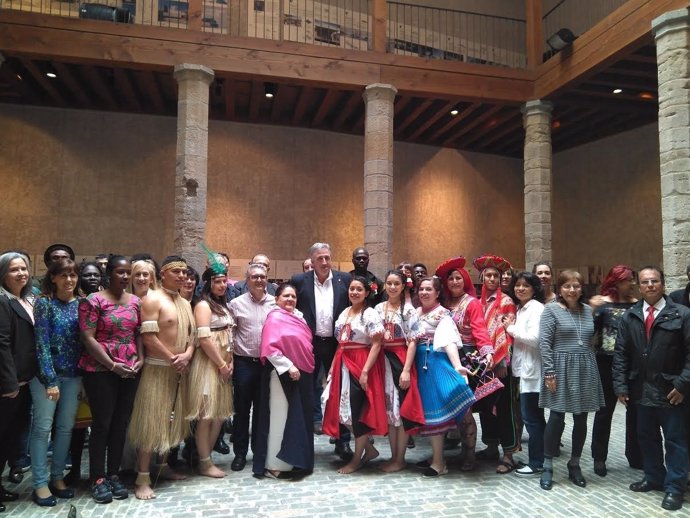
column 400, row 275
column 217, row 304
column 48, row 287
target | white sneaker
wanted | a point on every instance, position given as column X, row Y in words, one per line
column 528, row 471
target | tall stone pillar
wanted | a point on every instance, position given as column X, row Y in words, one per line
column 672, row 34
column 378, row 176
column 537, row 166
column 192, row 161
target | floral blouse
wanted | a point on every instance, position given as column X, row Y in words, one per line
column 58, row 345
column 404, row 324
column 117, row 329
column 360, row 329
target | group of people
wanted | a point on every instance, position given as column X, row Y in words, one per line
column 163, row 353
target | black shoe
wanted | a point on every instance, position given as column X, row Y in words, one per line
column 7, row 496
column 643, row 486
column 2, row 507
column 73, row 478
column 344, row 451
column 410, row 443
column 318, row 428
column 101, row 492
column 546, row 480
column 600, row 468
column 16, row 475
column 239, row 462
column 49, row 501
column 61, row 493
column 117, row 488
column 221, row 446
column 672, row 502
column 575, row 474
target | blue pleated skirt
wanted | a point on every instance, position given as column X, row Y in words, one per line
column 446, row 397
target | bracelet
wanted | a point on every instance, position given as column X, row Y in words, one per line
column 112, row 368
column 225, row 364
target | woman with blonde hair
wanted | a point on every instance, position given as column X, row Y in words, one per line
column 143, row 278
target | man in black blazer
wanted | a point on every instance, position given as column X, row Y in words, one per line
column 321, row 297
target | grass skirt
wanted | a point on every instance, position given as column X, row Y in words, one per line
column 155, row 425
column 209, row 396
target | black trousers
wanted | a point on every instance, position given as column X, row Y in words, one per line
column 111, row 399
column 506, row 426
column 14, row 416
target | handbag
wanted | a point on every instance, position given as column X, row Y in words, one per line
column 482, row 379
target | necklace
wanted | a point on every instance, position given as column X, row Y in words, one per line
column 579, row 325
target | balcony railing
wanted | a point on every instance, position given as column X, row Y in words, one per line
column 456, row 35
column 410, row 29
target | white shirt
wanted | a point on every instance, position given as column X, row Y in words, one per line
column 526, row 359
column 660, row 304
column 323, row 305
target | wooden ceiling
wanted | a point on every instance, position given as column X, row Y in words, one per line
column 584, row 111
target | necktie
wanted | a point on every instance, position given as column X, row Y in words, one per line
column 649, row 322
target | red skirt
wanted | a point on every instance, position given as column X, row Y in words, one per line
column 373, row 414
column 411, row 410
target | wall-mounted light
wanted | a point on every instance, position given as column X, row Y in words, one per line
column 454, row 112
column 269, row 90
column 617, row 91
column 561, row 39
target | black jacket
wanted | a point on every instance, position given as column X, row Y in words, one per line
column 18, row 361
column 648, row 371
column 304, row 282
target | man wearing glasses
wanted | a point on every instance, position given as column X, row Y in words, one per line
column 651, row 369
column 250, row 311
column 242, row 287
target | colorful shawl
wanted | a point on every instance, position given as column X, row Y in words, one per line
column 285, row 334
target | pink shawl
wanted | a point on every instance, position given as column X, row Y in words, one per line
column 285, row 334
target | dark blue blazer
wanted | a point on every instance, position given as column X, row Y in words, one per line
column 304, row 282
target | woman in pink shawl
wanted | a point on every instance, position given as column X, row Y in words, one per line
column 285, row 434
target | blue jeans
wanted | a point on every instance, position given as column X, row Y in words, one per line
column 533, row 417
column 673, row 421
column 63, row 413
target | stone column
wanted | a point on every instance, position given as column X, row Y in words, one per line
column 378, row 176
column 672, row 34
column 192, row 161
column 537, row 166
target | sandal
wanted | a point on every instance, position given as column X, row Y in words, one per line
column 509, row 466
column 431, row 472
column 278, row 475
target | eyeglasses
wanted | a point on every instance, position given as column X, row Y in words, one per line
column 257, row 277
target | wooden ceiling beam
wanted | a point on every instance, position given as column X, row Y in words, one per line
column 44, row 82
column 616, row 82
column 149, row 86
column 473, row 124
column 400, row 127
column 508, row 128
column 454, row 121
column 401, row 103
column 621, row 106
column 306, row 97
column 255, row 100
column 443, row 111
column 328, row 102
column 25, row 88
column 620, row 69
column 124, row 85
column 100, row 87
column 278, row 102
column 348, row 109
column 76, row 89
column 500, row 122
column 229, row 98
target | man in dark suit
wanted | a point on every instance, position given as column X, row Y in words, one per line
column 321, row 297
column 682, row 296
column 651, row 369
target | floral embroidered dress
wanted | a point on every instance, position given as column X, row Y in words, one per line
column 117, row 328
column 347, row 403
column 446, row 397
column 403, row 406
